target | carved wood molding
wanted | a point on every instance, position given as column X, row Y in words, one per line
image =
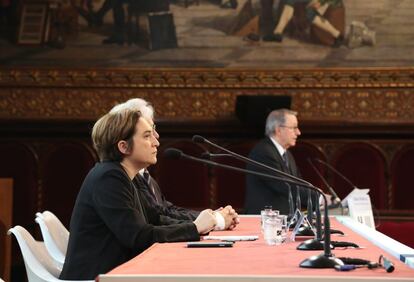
column 367, row 106
column 209, row 78
column 363, row 95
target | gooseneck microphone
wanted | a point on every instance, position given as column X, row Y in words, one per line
column 337, row 173
column 209, row 156
column 346, row 180
column 175, row 154
column 200, row 139
column 172, row 153
column 302, row 231
column 335, row 199
column 311, row 244
column 324, row 260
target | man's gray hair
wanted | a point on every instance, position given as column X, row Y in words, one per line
column 136, row 104
column 276, row 119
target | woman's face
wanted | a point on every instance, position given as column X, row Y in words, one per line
column 145, row 144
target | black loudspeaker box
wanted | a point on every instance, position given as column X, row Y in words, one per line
column 253, row 110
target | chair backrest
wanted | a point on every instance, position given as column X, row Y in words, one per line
column 193, row 189
column 57, row 228
column 40, row 267
column 365, row 166
column 55, row 235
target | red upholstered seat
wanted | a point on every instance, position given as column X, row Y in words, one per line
column 231, row 186
column 400, row 231
column 183, row 182
column 66, row 167
column 305, row 152
column 402, row 168
column 364, row 165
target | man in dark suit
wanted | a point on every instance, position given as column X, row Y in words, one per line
column 282, row 132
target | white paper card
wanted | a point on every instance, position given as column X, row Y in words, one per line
column 296, row 229
column 355, row 192
column 360, row 209
column 232, row 238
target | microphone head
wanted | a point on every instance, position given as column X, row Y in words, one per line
column 206, row 156
column 335, row 200
column 172, row 153
column 198, row 139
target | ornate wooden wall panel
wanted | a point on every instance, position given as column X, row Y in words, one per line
column 371, row 105
column 330, row 94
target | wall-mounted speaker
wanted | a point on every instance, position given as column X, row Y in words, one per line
column 253, row 110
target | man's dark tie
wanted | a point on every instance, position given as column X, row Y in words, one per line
column 286, row 160
column 147, row 178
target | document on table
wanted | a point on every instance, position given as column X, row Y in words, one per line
column 232, row 238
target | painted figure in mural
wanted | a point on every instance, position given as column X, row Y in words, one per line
column 123, row 25
column 229, row 4
column 314, row 13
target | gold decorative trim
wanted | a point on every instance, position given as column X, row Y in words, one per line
column 208, row 78
column 362, row 95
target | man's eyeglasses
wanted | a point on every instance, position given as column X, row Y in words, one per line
column 291, row 127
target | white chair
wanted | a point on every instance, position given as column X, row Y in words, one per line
column 40, row 267
column 55, row 235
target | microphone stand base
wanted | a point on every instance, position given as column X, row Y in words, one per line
column 321, row 261
column 305, row 231
column 310, row 245
column 336, row 231
column 292, row 225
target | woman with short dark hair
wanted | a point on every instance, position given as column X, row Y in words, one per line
column 109, row 225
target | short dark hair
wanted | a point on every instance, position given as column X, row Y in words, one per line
column 112, row 128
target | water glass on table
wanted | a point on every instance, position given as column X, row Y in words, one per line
column 267, row 211
column 285, row 227
column 272, row 229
